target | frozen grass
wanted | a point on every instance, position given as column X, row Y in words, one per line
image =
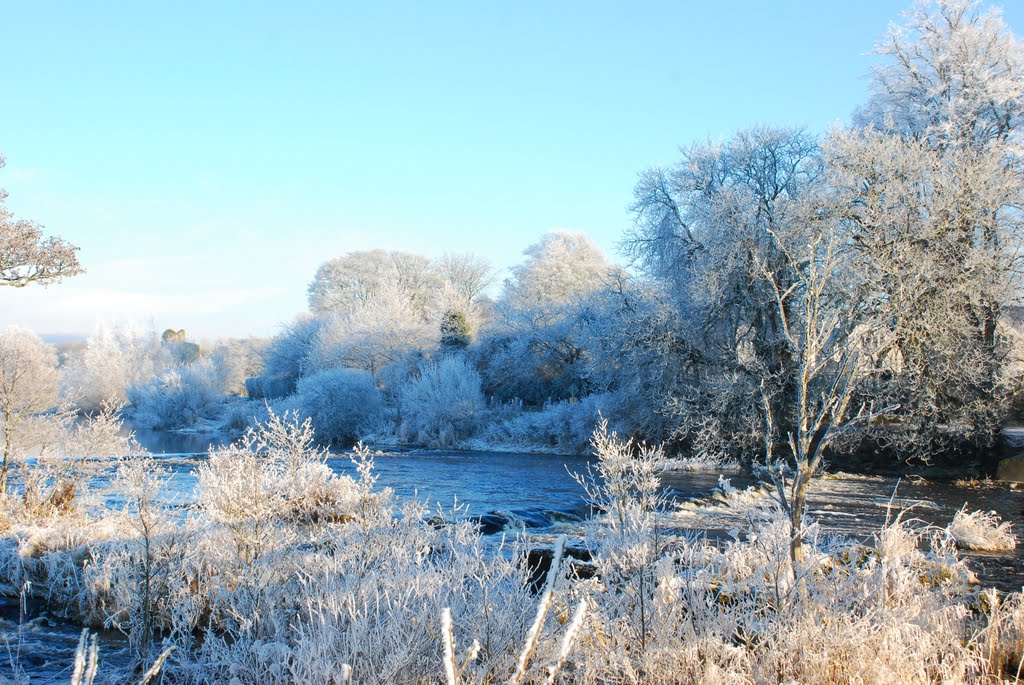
column 699, row 463
column 284, row 572
column 981, row 531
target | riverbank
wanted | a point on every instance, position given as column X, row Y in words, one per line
column 284, row 568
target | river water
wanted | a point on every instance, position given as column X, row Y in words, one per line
column 537, row 494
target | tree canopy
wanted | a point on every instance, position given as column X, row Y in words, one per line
column 26, row 256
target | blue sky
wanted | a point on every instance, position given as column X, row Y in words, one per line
column 206, row 157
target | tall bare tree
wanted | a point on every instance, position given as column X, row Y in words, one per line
column 703, row 229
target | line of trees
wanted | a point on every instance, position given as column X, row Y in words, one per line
column 789, row 295
column 786, row 285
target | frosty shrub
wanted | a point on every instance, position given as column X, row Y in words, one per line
column 286, row 570
column 72, row 451
column 146, row 555
column 562, row 427
column 979, row 530
column 340, row 403
column 240, row 413
column 671, row 609
column 178, row 398
column 625, row 486
column 441, row 406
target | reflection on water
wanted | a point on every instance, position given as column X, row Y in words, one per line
column 168, row 443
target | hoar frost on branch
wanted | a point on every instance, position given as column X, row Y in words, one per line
column 924, row 201
column 26, row 256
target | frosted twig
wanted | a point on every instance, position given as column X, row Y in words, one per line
column 449, row 646
column 157, row 665
column 542, row 611
column 567, row 641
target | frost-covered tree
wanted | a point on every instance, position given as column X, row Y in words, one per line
column 112, row 361
column 377, row 306
column 286, row 358
column 832, row 339
column 373, row 333
column 533, row 354
column 560, row 270
column 28, row 387
column 467, row 275
column 952, row 76
column 26, row 256
column 703, row 231
column 455, row 333
column 345, row 284
column 936, row 186
column 535, row 364
column 906, row 217
column 238, row 359
column 638, row 356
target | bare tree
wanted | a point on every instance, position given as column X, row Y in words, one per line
column 26, row 256
column 703, row 231
column 467, row 274
column 831, row 345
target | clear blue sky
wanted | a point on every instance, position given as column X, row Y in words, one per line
column 206, row 157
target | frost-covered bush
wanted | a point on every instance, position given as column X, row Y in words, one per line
column 181, row 397
column 671, row 609
column 563, row 427
column 393, row 377
column 74, row 450
column 340, row 403
column 442, row 405
column 240, row 413
column 285, row 357
column 979, row 530
column 285, row 572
